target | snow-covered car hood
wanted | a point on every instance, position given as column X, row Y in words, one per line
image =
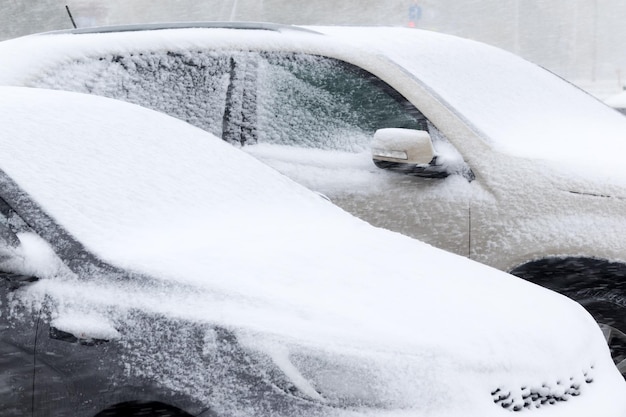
column 355, row 316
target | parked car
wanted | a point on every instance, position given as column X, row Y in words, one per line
column 138, row 279
column 476, row 151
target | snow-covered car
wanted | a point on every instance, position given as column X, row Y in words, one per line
column 476, row 151
column 138, row 279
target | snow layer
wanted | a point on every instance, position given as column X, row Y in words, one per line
column 617, row 101
column 520, row 109
column 374, row 320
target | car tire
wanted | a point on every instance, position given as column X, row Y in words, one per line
column 598, row 285
column 613, row 325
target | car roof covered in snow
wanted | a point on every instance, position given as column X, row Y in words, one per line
column 276, row 27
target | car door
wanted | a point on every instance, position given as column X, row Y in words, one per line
column 17, row 342
column 74, row 374
column 44, row 371
column 316, row 118
column 18, row 329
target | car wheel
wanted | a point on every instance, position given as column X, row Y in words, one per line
column 613, row 328
column 610, row 316
column 599, row 286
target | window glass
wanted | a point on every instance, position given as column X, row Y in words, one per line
column 10, row 219
column 189, row 85
column 318, row 102
column 7, row 236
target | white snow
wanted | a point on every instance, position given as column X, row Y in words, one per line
column 320, row 169
column 520, row 108
column 372, row 319
column 33, row 257
column 85, row 326
column 617, row 101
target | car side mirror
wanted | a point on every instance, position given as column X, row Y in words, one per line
column 402, row 146
column 408, row 151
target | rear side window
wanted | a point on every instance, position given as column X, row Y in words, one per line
column 324, row 103
column 188, row 85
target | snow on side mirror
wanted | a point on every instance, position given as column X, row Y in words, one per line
column 403, row 146
column 406, row 150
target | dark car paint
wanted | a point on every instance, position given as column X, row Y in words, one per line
column 48, row 372
column 17, row 344
column 67, row 377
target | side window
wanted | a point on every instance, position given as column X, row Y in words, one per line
column 189, row 85
column 10, row 223
column 7, row 239
column 318, row 102
column 10, row 220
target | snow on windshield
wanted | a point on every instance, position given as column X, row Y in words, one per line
column 237, row 244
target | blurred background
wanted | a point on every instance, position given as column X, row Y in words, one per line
column 583, row 41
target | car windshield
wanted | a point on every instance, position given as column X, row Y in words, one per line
column 518, row 107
